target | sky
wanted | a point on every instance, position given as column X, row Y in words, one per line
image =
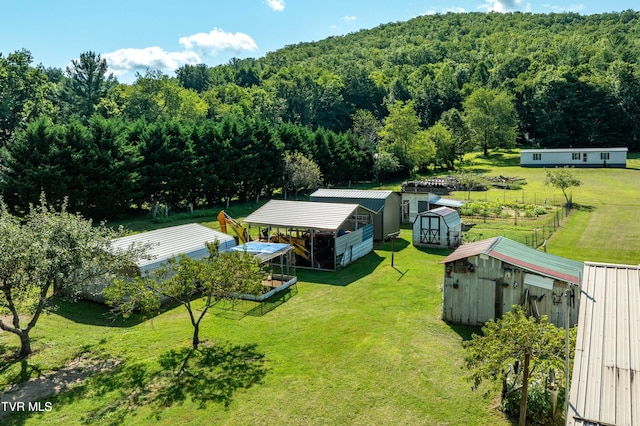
column 137, row 35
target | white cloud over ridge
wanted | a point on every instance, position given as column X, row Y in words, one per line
column 124, row 61
column 504, row 6
column 219, row 40
column 350, row 18
column 277, row 5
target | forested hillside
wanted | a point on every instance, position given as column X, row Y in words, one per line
column 394, row 99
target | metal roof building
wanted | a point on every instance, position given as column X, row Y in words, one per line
column 605, row 385
column 167, row 243
column 384, row 204
column 438, row 227
column 484, row 279
column 522, row 256
column 575, row 157
column 325, row 235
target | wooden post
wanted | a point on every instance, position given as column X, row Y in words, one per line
column 393, row 237
column 523, row 395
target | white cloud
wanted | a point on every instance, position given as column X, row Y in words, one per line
column 562, row 9
column 503, row 6
column 123, row 61
column 277, row 5
column 349, row 18
column 432, row 12
column 218, row 40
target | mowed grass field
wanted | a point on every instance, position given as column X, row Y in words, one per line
column 604, row 226
column 361, row 346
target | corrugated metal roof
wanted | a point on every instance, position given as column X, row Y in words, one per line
column 536, row 261
column 175, row 240
column 450, row 216
column 605, row 385
column 470, row 249
column 371, row 199
column 522, row 256
column 375, row 194
column 302, row 214
column 447, row 202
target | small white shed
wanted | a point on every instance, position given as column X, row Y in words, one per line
column 441, row 227
column 166, row 243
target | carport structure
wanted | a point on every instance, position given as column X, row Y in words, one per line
column 325, row 236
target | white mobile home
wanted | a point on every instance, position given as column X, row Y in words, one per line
column 441, row 227
column 576, row 157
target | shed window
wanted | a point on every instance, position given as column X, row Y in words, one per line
column 537, row 157
column 575, row 156
column 604, row 155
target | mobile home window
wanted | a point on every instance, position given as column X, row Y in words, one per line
column 537, row 157
column 575, row 156
column 604, row 155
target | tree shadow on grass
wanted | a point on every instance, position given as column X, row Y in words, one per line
column 210, row 374
column 98, row 314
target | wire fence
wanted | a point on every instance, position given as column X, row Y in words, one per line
column 539, row 236
column 542, row 226
column 520, row 196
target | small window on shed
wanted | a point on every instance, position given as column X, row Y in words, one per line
column 604, row 155
column 537, row 157
column 575, row 156
column 423, row 206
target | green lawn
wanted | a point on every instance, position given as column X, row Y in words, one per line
column 364, row 345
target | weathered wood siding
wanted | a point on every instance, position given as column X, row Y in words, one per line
column 477, row 294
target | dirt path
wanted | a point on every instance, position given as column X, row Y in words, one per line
column 47, row 385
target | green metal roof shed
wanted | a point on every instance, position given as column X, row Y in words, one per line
column 385, row 204
column 484, row 279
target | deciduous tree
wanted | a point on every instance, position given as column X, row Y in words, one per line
column 563, row 179
column 195, row 284
column 491, row 117
column 515, row 345
column 46, row 253
column 300, row 172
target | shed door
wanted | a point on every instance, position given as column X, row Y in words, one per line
column 429, row 230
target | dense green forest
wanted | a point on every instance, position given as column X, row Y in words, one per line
column 400, row 98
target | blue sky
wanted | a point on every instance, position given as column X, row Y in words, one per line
column 136, row 35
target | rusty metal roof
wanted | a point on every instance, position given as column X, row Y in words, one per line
column 523, row 256
column 605, row 386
